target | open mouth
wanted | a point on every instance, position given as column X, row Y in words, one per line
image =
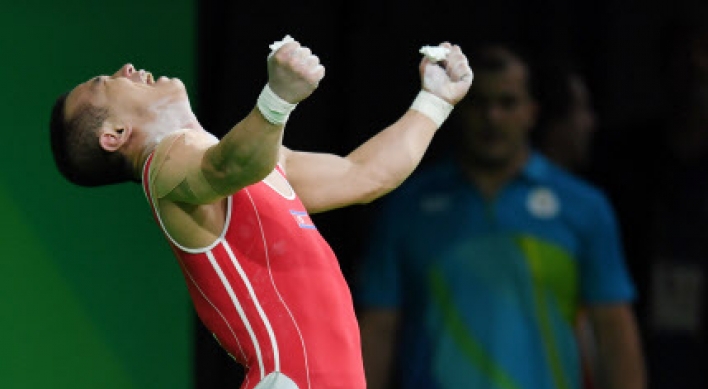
column 146, row 77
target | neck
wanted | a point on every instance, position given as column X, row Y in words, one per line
column 562, row 157
column 489, row 179
column 145, row 146
column 139, row 159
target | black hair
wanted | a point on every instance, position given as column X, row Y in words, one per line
column 498, row 57
column 76, row 150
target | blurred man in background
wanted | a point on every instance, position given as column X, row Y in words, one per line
column 566, row 119
column 479, row 265
column 564, row 132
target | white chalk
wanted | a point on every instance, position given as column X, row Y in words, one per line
column 435, row 53
column 278, row 44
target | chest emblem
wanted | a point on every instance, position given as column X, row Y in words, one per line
column 303, row 219
column 543, row 203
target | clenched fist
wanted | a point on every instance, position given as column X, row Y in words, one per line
column 450, row 78
column 293, row 71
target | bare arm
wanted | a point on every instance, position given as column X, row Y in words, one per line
column 378, row 339
column 197, row 171
column 326, row 181
column 620, row 358
column 244, row 156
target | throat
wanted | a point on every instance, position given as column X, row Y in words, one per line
column 489, row 180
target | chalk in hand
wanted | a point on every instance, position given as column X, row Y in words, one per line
column 278, row 44
column 435, row 53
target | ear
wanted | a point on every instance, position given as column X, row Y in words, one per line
column 113, row 137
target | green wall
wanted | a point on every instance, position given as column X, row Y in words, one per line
column 90, row 296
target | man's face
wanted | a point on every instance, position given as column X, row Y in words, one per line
column 133, row 96
column 497, row 116
column 577, row 129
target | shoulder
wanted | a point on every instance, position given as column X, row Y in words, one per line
column 429, row 182
column 584, row 206
column 174, row 157
column 438, row 177
column 572, row 187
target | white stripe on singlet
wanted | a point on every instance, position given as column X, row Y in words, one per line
column 270, row 273
column 239, row 309
column 252, row 293
column 204, row 296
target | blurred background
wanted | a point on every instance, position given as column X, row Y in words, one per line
column 90, row 296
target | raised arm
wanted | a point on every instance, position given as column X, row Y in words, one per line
column 196, row 168
column 326, row 181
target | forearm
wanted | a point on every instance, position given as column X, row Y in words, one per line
column 378, row 334
column 248, row 152
column 377, row 365
column 623, row 367
column 620, row 355
column 324, row 181
column 390, row 156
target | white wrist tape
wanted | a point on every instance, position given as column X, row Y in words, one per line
column 273, row 108
column 432, row 106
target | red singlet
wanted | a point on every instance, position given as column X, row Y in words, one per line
column 272, row 292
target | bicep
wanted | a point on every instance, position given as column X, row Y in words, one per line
column 611, row 321
column 378, row 328
column 325, row 181
column 379, row 323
